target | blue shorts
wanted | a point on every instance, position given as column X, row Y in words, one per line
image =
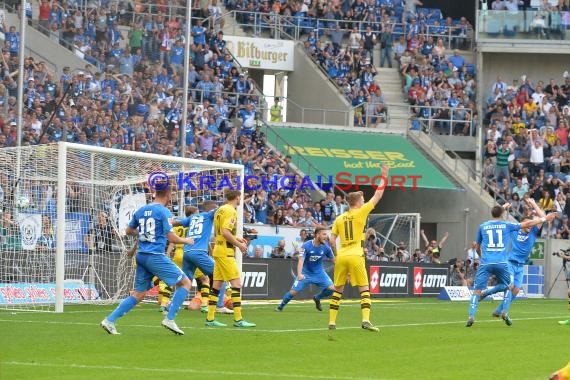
column 517, row 274
column 500, row 270
column 150, row 265
column 321, row 280
column 197, row 259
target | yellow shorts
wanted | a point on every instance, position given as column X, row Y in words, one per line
column 198, row 273
column 225, row 269
column 178, row 257
column 353, row 265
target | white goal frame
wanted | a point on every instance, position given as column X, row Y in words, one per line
column 62, row 149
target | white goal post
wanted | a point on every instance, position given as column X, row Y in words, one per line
column 392, row 229
column 62, row 247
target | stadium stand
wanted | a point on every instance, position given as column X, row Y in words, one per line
column 130, row 99
column 526, row 154
column 345, row 52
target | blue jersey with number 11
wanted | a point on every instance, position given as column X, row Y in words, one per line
column 153, row 223
column 493, row 236
column 200, row 229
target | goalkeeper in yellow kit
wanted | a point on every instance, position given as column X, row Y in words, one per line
column 349, row 228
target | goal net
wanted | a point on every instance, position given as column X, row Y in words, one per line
column 65, row 208
column 392, row 229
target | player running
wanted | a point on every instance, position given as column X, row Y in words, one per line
column 151, row 224
column 492, row 240
column 349, row 227
column 521, row 247
column 310, row 270
column 199, row 228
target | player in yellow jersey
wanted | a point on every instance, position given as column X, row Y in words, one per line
column 225, row 264
column 349, row 228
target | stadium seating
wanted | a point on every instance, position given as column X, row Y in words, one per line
column 140, row 110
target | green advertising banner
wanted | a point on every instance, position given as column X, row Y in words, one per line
column 537, row 252
column 348, row 155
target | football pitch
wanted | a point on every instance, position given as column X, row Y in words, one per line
column 418, row 339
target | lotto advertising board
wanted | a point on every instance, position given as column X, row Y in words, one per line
column 389, row 280
column 429, row 280
column 271, row 278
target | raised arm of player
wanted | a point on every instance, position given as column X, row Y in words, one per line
column 381, row 186
column 548, row 218
column 540, row 212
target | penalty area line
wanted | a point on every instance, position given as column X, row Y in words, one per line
column 177, row 370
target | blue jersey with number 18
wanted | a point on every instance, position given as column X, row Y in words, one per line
column 153, row 223
column 493, row 236
column 199, row 229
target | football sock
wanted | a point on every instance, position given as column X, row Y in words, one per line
column 222, row 295
column 212, row 302
column 365, row 305
column 123, row 308
column 568, row 302
column 326, row 292
column 335, row 304
column 286, row 298
column 473, row 305
column 236, row 301
column 205, row 293
column 507, row 301
column 177, row 299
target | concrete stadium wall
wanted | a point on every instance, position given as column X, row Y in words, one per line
column 446, row 209
column 513, row 65
column 310, row 88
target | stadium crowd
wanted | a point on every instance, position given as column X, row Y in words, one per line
column 525, row 152
column 415, row 40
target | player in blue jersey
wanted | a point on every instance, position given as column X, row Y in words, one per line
column 199, row 227
column 152, row 225
column 492, row 242
column 522, row 242
column 310, row 270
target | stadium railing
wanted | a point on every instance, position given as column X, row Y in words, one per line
column 550, row 27
column 460, row 166
column 310, row 115
column 294, row 27
column 444, row 125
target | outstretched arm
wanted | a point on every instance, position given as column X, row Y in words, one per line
column 540, row 212
column 444, row 239
column 535, row 222
column 381, row 186
column 424, row 238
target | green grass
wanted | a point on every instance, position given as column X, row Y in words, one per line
column 419, row 339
